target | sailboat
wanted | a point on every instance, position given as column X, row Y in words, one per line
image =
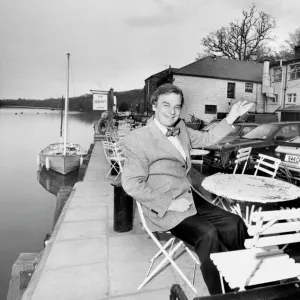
column 63, row 157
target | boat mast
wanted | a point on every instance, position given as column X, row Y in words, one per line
column 66, row 107
column 61, row 119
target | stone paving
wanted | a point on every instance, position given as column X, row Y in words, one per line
column 87, row 260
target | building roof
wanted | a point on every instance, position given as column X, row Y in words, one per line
column 295, row 108
column 163, row 73
column 222, row 68
column 290, row 61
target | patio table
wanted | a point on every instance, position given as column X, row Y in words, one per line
column 252, row 190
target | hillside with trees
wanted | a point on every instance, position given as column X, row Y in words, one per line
column 126, row 100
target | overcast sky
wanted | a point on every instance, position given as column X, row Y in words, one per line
column 113, row 43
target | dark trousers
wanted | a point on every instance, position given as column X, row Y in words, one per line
column 211, row 230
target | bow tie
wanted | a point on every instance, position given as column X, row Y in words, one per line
column 172, row 131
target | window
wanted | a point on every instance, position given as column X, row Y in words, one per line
column 287, row 132
column 248, row 87
column 294, row 71
column 221, row 115
column 231, row 90
column 211, row 109
column 291, row 98
column 277, row 74
column 274, row 99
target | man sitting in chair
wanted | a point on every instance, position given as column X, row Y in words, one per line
column 156, row 174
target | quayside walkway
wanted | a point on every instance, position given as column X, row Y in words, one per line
column 86, row 260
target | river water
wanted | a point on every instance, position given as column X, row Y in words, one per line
column 26, row 206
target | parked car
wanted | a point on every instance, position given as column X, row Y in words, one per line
column 289, row 153
column 263, row 139
column 260, row 118
column 238, row 130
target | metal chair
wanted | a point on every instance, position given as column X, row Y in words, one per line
column 243, row 155
column 163, row 249
column 267, row 164
column 263, row 261
column 114, row 159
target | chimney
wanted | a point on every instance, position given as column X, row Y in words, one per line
column 266, row 75
column 266, row 80
column 297, row 51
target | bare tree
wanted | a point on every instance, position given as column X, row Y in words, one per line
column 294, row 39
column 245, row 39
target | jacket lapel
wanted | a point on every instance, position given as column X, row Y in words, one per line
column 163, row 142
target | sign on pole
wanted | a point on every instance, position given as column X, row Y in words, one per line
column 100, row 101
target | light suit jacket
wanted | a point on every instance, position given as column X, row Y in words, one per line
column 155, row 173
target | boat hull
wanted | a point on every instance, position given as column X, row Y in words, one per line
column 52, row 158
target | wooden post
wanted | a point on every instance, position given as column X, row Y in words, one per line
column 110, row 104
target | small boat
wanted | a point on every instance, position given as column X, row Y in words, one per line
column 63, row 157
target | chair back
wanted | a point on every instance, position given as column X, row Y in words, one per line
column 267, row 164
column 270, row 228
column 243, row 155
column 108, row 148
column 118, row 151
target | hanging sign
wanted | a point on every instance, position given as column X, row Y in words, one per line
column 100, row 101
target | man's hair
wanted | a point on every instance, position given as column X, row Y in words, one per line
column 166, row 89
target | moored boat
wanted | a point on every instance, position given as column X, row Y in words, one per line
column 63, row 157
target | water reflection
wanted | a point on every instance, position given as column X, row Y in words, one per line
column 53, row 181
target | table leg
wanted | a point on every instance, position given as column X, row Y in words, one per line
column 236, row 208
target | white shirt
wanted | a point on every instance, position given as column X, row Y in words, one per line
column 173, row 139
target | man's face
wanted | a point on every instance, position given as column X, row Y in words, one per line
column 167, row 109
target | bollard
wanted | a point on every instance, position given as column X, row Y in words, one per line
column 123, row 209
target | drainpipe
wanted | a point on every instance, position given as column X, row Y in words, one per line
column 266, row 82
column 281, row 85
column 285, row 88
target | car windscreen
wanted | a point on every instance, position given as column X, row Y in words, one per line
column 261, row 132
column 235, row 130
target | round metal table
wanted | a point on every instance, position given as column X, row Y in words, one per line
column 251, row 190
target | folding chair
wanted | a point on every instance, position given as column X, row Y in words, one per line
column 118, row 150
column 113, row 159
column 243, row 155
column 163, row 249
column 267, row 164
column 263, row 261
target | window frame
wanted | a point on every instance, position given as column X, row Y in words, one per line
column 294, row 71
column 210, row 107
column 291, row 98
column 247, row 89
column 231, row 90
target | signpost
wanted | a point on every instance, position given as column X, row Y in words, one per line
column 104, row 101
column 100, row 101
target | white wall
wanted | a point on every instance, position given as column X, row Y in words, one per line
column 292, row 87
column 199, row 92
